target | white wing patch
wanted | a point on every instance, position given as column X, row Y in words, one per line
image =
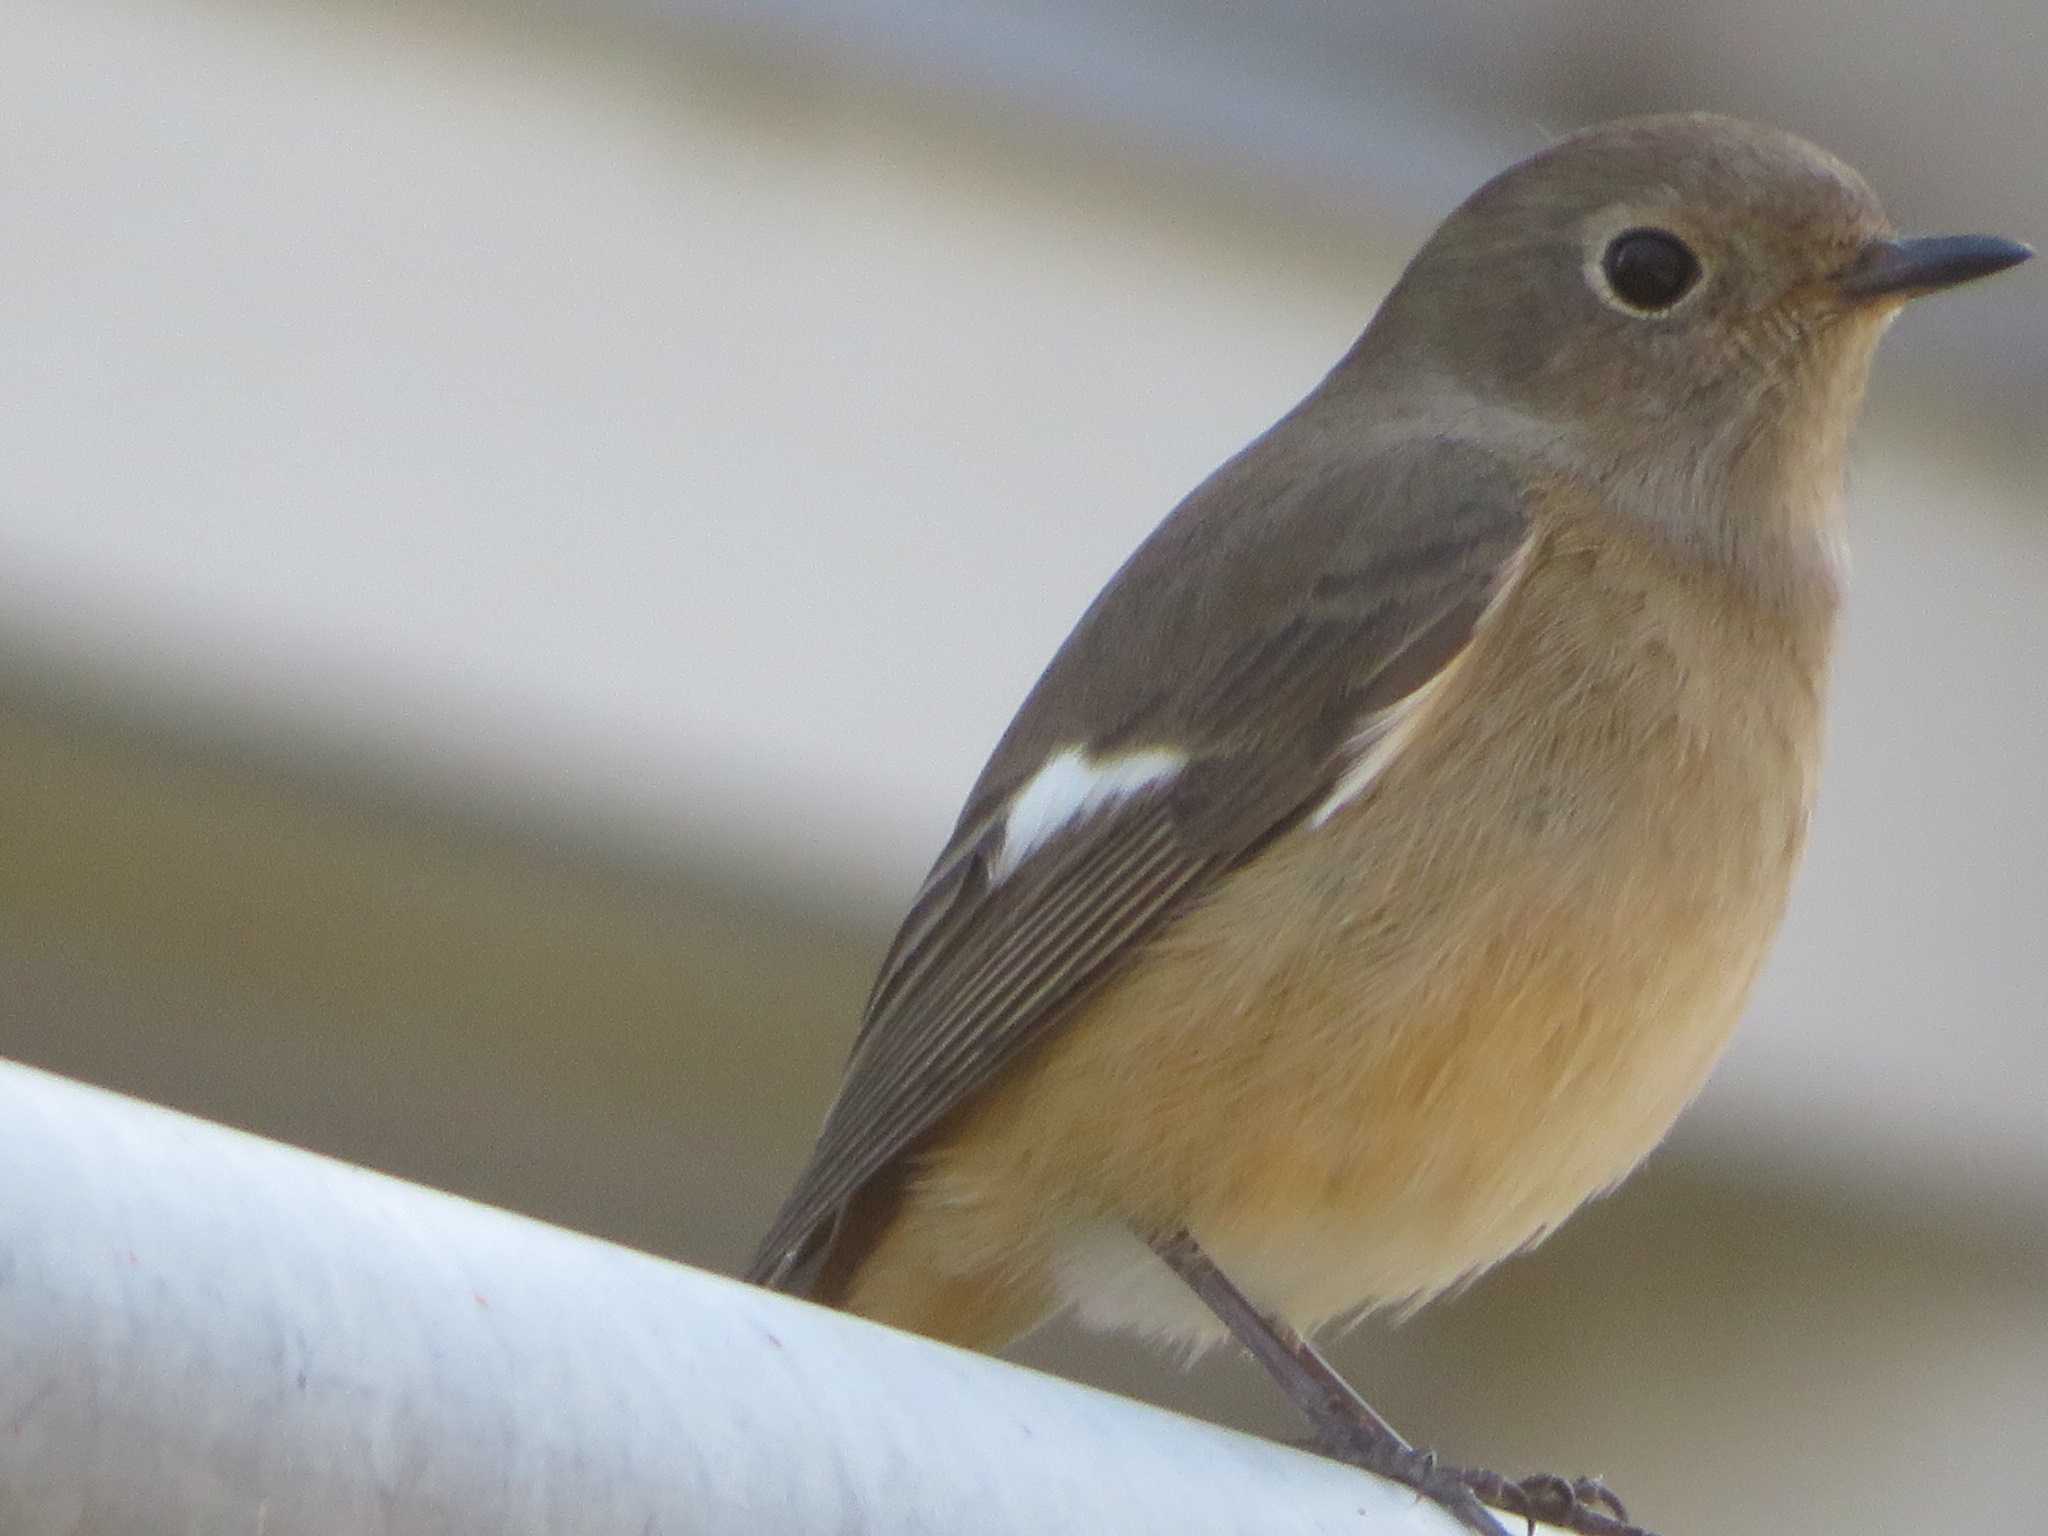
column 1378, row 742
column 1071, row 787
column 1382, row 736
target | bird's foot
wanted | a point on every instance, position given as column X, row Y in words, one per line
column 1472, row 1496
column 1582, row 1504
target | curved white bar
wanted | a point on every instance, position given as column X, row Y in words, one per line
column 202, row 1331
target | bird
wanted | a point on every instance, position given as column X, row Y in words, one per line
column 1382, row 862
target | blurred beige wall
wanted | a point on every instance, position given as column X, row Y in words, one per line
column 516, row 533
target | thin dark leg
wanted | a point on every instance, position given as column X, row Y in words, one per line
column 1347, row 1427
column 1310, row 1382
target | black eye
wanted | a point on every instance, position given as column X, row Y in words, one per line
column 1650, row 269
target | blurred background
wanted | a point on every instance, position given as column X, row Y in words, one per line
column 519, row 522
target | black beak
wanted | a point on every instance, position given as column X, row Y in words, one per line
column 1909, row 268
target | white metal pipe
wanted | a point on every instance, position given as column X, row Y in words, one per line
column 205, row 1332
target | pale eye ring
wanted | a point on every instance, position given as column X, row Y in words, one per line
column 1648, row 269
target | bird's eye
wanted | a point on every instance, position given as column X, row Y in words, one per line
column 1649, row 269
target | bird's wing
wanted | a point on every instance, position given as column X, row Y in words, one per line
column 1231, row 680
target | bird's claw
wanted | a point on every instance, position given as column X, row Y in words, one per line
column 1585, row 1505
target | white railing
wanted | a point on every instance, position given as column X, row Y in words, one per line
column 205, row 1332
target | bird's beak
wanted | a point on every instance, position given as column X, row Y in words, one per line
column 1907, row 268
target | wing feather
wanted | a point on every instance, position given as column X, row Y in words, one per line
column 1004, row 988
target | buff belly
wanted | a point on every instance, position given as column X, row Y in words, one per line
column 1346, row 1130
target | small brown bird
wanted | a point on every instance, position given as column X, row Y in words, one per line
column 1384, row 859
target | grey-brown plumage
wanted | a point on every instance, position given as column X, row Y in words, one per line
column 1382, row 862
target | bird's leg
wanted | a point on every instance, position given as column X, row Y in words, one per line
column 1345, row 1424
column 1347, row 1428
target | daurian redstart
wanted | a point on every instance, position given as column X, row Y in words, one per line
column 1384, row 859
